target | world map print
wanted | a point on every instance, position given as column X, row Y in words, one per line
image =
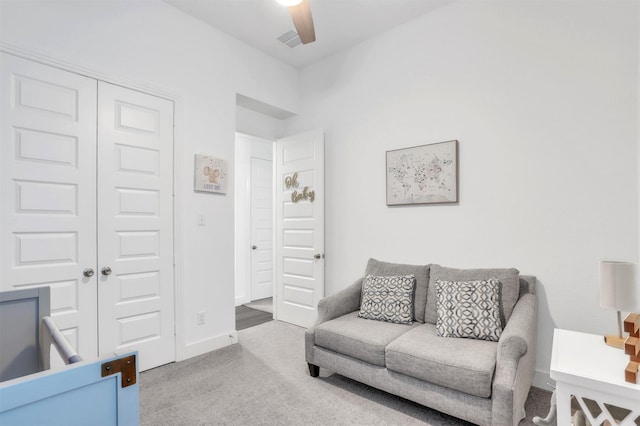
column 423, row 174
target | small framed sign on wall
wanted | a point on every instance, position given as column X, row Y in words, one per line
column 210, row 174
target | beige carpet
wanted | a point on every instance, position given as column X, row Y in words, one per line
column 263, row 380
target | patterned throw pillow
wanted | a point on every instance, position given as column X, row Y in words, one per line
column 469, row 309
column 388, row 298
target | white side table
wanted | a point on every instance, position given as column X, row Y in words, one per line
column 584, row 366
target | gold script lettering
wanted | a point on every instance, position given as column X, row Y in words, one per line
column 291, row 181
column 304, row 195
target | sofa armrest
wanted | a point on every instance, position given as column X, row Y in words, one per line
column 340, row 303
column 515, row 363
column 334, row 306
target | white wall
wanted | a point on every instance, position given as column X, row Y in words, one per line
column 253, row 123
column 543, row 99
column 151, row 43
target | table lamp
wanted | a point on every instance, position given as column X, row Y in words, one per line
column 619, row 290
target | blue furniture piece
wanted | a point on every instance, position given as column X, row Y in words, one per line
column 22, row 350
column 97, row 392
column 78, row 394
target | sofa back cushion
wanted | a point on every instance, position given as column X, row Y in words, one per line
column 509, row 287
column 421, row 272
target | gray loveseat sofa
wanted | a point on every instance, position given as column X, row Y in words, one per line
column 483, row 382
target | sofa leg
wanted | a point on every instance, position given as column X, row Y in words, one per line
column 314, row 370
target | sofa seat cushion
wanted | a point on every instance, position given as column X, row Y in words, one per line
column 359, row 338
column 465, row 365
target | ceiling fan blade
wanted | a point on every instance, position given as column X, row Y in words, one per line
column 303, row 21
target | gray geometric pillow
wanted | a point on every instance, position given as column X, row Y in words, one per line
column 469, row 309
column 388, row 298
column 509, row 287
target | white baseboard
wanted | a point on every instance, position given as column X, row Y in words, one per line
column 541, row 379
column 207, row 345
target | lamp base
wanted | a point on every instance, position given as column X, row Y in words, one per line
column 615, row 341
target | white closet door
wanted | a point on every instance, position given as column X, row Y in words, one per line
column 135, row 225
column 261, row 228
column 48, row 191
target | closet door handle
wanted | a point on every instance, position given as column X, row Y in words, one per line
column 106, row 271
column 88, row 272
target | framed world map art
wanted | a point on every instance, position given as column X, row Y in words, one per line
column 426, row 174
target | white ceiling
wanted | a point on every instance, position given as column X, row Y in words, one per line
column 339, row 24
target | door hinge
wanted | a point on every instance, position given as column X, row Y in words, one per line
column 126, row 366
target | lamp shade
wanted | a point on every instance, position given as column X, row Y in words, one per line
column 619, row 287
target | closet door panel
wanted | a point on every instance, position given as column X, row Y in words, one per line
column 48, row 191
column 135, row 224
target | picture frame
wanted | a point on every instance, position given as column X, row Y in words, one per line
column 210, row 174
column 425, row 174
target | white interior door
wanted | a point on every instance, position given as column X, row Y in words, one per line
column 299, row 227
column 135, row 225
column 48, row 191
column 261, row 228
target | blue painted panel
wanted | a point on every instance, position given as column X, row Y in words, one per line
column 21, row 313
column 75, row 395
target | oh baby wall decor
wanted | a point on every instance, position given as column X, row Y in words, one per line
column 291, row 182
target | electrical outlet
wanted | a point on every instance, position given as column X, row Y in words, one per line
column 201, row 318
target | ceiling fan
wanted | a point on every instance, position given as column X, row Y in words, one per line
column 302, row 19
